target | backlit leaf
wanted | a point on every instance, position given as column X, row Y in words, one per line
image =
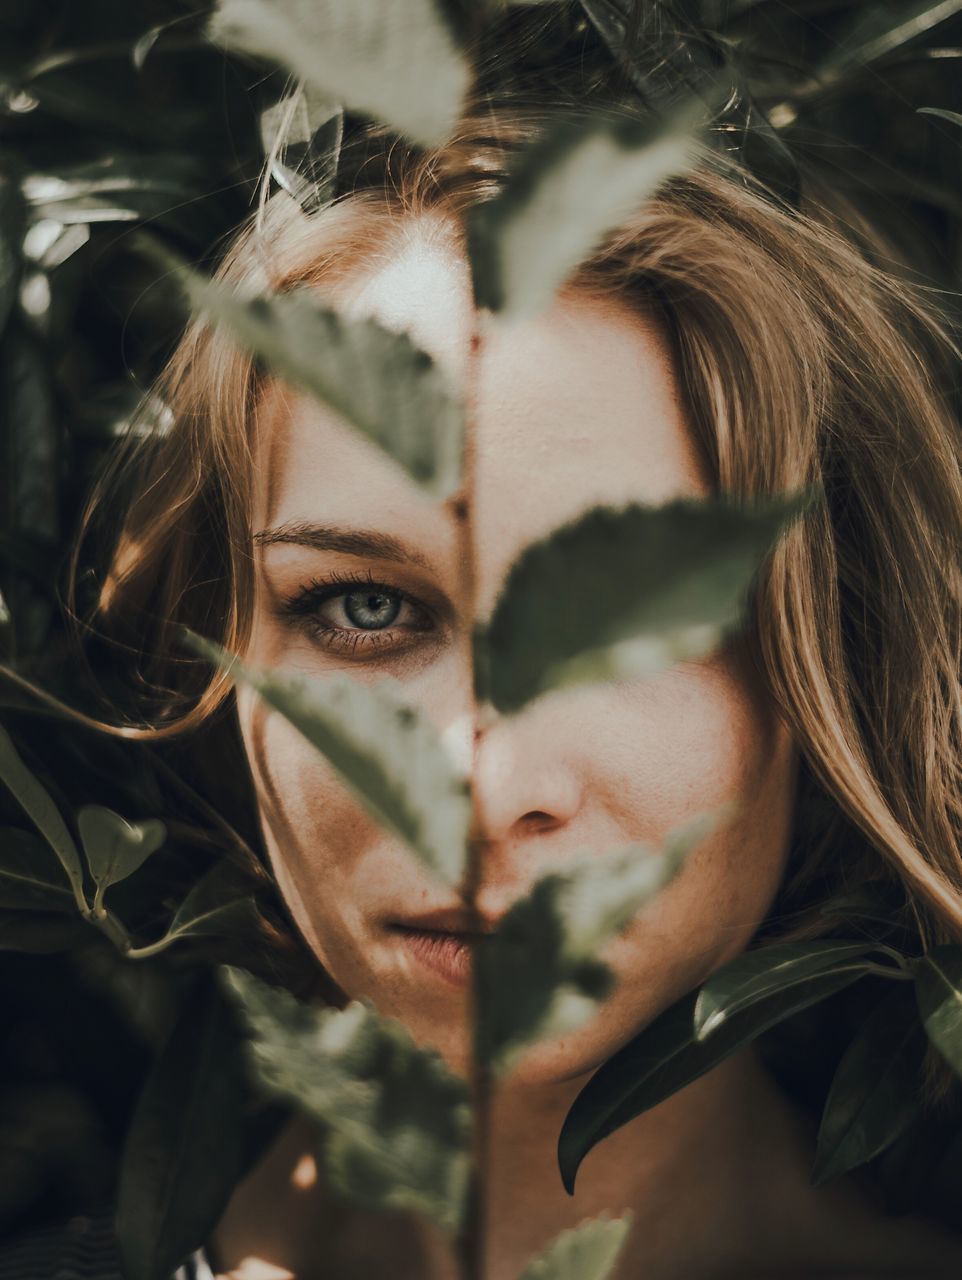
column 872, row 1098
column 397, row 1120
column 376, row 379
column 42, row 811
column 938, row 988
column 586, row 1252
column 114, row 847
column 666, row 1056
column 537, row 973
column 619, row 593
column 565, row 193
column 185, row 1145
column 212, row 908
column 753, row 976
column 395, row 60
column 392, row 758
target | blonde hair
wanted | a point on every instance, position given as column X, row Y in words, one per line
column 802, row 360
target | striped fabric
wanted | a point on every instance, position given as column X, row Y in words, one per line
column 83, row 1248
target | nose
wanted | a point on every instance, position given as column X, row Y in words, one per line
column 524, row 783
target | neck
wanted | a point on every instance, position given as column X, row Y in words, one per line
column 721, row 1148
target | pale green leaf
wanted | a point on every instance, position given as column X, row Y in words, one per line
column 622, row 593
column 114, row 847
column 586, row 1252
column 395, row 60
column 565, row 193
column 538, row 975
column 953, row 117
column 377, row 379
column 397, row 1120
column 39, row 806
column 392, row 758
column 938, row 989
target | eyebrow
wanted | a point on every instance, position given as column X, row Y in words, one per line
column 349, row 542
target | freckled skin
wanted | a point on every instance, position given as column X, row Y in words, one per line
column 575, row 408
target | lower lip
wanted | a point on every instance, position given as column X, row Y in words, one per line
column 447, row 954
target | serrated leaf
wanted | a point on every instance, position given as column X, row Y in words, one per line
column 666, row 1056
column 185, row 1144
column 938, row 989
column 31, row 875
column 565, row 192
column 392, row 758
column 397, row 1120
column 753, row 976
column 114, row 847
column 624, row 592
column 378, row 380
column 395, row 60
column 872, row 1097
column 537, row 973
column 953, row 117
column 39, row 806
column 586, row 1252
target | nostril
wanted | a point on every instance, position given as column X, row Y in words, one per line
column 537, row 820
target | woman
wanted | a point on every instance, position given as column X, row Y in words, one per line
column 715, row 343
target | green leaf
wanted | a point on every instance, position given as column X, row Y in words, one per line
column 397, row 1120
column 586, row 1252
column 212, row 908
column 393, row 759
column 619, row 593
column 537, row 973
column 185, row 1144
column 952, row 116
column 395, row 60
column 666, row 1056
column 566, row 191
column 31, row 876
column 40, row 808
column 40, row 932
column 872, row 1097
column 938, row 989
column 376, row 379
column 753, row 976
column 115, row 848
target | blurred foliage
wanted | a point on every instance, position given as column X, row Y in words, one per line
column 115, row 119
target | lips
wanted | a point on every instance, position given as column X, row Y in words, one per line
column 441, row 941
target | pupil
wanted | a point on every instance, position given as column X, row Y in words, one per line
column 371, row 609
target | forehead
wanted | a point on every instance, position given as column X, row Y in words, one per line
column 575, row 407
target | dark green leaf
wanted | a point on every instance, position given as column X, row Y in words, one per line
column 40, row 808
column 114, row 847
column 586, row 1252
column 392, row 59
column 753, row 976
column 872, row 1098
column 566, row 615
column 213, row 909
column 666, row 1056
column 397, row 1120
column 40, row 932
column 393, row 758
column 565, row 193
column 374, row 377
column 31, row 876
column 185, row 1144
column 11, row 236
column 538, row 975
column 938, row 988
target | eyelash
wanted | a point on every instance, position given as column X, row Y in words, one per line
column 303, row 608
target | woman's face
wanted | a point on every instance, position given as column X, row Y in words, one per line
column 576, row 408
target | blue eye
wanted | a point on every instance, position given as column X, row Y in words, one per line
column 356, row 613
